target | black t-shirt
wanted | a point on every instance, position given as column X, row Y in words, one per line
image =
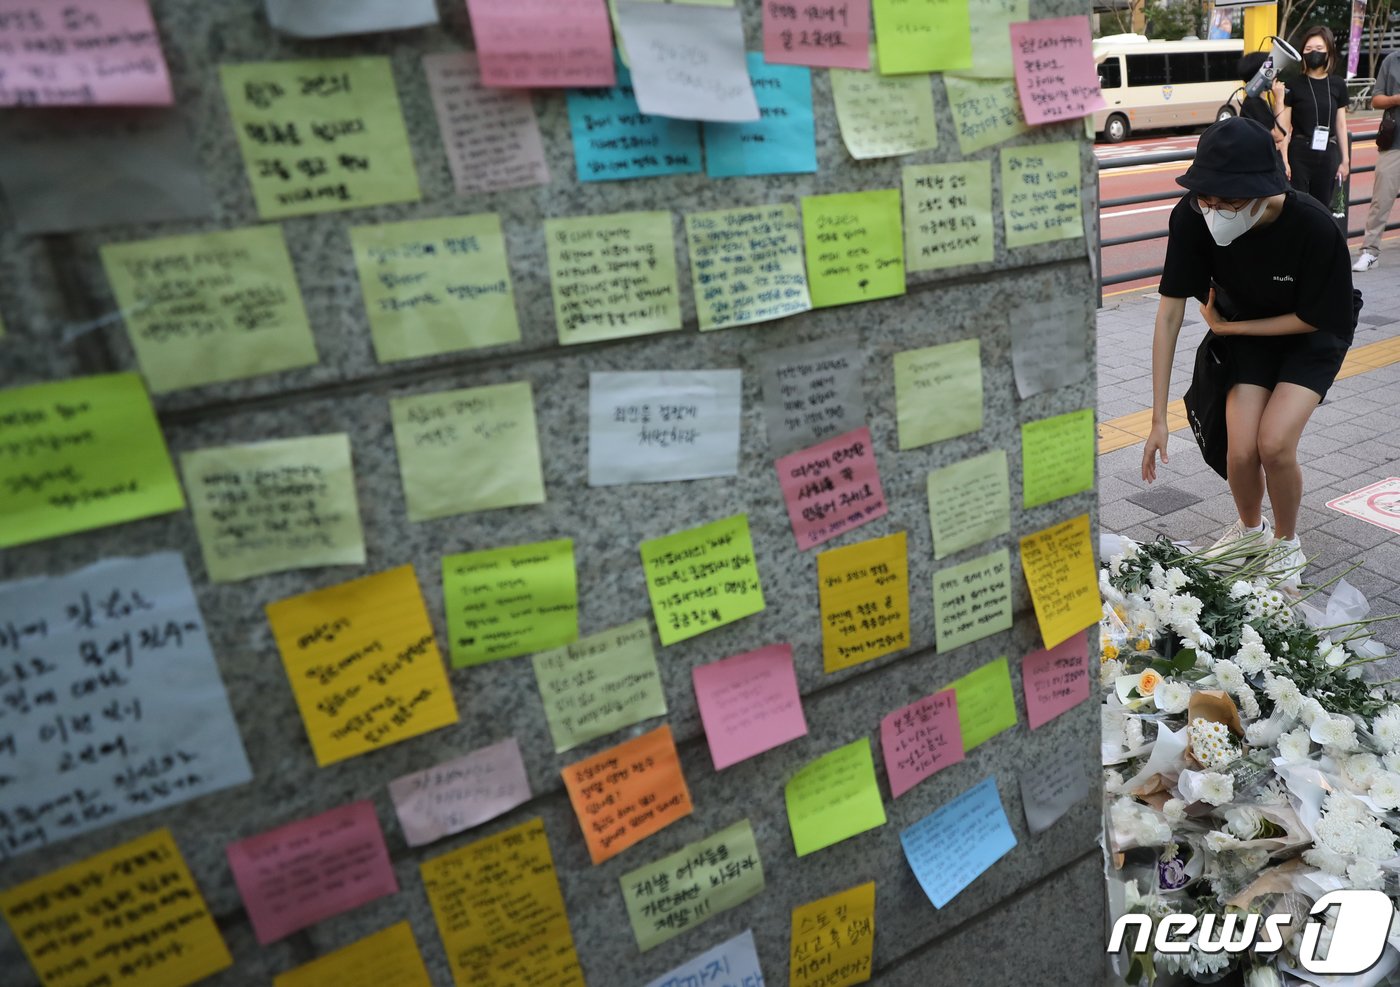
column 1315, row 103
column 1298, row 263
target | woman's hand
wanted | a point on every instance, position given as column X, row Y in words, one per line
column 1344, row 171
column 1215, row 322
column 1156, row 445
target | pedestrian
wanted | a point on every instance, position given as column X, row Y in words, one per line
column 1264, row 108
column 1385, row 96
column 1317, row 155
column 1273, row 275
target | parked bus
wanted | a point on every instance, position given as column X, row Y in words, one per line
column 1155, row 84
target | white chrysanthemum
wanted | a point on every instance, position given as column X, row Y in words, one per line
column 1161, row 603
column 1176, row 579
column 1240, row 590
column 1186, row 609
column 1157, row 576
column 1385, row 790
column 1326, row 860
column 1219, row 841
column 1216, row 788
column 1252, row 656
column 1172, row 696
column 1375, row 842
column 1386, row 728
column 1244, row 823
column 1365, row 875
column 1228, row 674
column 1337, row 732
column 1311, row 711
column 1175, row 811
column 1361, row 769
column 1295, row 745
column 1151, row 829
column 1333, row 654
column 1285, row 695
column 1391, row 761
column 1133, row 730
column 1115, row 565
column 1249, row 703
column 1109, row 671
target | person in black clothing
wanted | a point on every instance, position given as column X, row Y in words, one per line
column 1259, row 108
column 1272, row 273
column 1317, row 154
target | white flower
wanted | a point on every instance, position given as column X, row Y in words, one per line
column 1333, row 654
column 1156, row 576
column 1176, row 579
column 1220, row 841
column 1186, row 609
column 1385, row 789
column 1312, row 711
column 1109, row 671
column 1252, row 656
column 1262, row 976
column 1264, row 733
column 1284, row 693
column 1228, row 674
column 1175, row 811
column 1240, row 590
column 1115, row 565
column 1376, row 843
column 1361, row 769
column 1386, row 728
column 1336, row 731
column 1326, row 860
column 1295, row 745
column 1216, row 788
column 1172, row 696
column 1249, row 705
column 1244, row 822
column 1365, row 875
column 1392, row 761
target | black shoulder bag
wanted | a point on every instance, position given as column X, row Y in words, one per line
column 1211, row 381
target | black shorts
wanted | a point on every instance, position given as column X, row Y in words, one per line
column 1310, row 360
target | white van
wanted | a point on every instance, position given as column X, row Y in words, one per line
column 1152, row 84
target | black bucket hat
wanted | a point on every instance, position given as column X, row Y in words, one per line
column 1235, row 159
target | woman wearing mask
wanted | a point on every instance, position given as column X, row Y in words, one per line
column 1317, row 154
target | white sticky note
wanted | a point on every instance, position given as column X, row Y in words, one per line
column 654, row 426
column 688, row 61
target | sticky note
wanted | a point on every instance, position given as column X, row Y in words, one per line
column 749, row 703
column 1040, row 194
column 948, row 215
column 320, row 135
column 1049, row 344
column 922, row 35
column 985, row 111
column 688, row 61
column 80, row 454
column 782, row 141
column 702, row 578
column 986, row 705
column 307, row 871
column 834, row 798
column 1050, row 789
column 459, row 794
column 991, row 55
column 1055, row 70
column 612, row 276
column 855, row 246
column 504, row 602
column 833, row 940
column 389, row 958
column 131, row 916
column 746, row 265
column 972, row 600
column 969, row 502
column 920, row 740
column 697, row 882
column 491, row 136
column 736, row 958
column 363, row 664
column 831, row 35
column 599, row 684
column 1055, row 680
column 614, row 140
column 273, row 506
column 81, row 53
column 884, row 115
column 811, row 392
column 435, row 286
column 832, row 487
column 938, row 392
column 310, row 20
column 952, row 846
column 1059, row 567
column 491, row 427
column 654, row 426
column 500, row 912
column 210, row 307
column 1057, row 457
column 543, row 44
column 864, row 591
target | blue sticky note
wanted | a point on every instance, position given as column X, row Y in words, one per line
column 730, row 964
column 614, row 140
column 951, row 846
column 782, row 142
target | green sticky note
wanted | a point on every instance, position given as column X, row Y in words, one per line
column 969, row 502
column 938, row 392
column 884, row 115
column 1040, row 199
column 985, row 112
column 504, row 602
column 272, row 506
column 972, row 600
column 598, row 684
column 435, row 286
column 702, row 578
column 1057, row 457
column 320, row 135
column 986, row 704
column 855, row 246
column 80, row 454
column 612, row 276
column 948, row 215
column 922, row 35
column 834, row 798
column 490, row 430
column 746, row 265
column 991, row 56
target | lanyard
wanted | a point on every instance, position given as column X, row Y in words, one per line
column 1317, row 109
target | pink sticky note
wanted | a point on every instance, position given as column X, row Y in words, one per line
column 459, row 794
column 306, row 871
column 832, row 487
column 920, row 740
column 1056, row 679
column 826, row 35
column 544, row 44
column 1055, row 71
column 81, row 53
column 749, row 703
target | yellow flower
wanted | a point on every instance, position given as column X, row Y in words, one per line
column 1143, row 644
column 1110, row 652
column 1148, row 682
column 1120, row 613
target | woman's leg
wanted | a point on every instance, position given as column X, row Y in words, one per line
column 1280, row 428
column 1244, row 410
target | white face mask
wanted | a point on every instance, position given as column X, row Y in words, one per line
column 1226, row 230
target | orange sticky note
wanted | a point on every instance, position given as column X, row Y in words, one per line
column 628, row 792
column 1059, row 567
column 864, row 594
column 833, row 940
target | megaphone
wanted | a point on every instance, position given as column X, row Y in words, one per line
column 1283, row 65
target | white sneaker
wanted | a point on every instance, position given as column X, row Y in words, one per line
column 1366, row 261
column 1286, row 557
column 1239, row 537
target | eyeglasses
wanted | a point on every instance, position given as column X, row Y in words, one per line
column 1227, row 208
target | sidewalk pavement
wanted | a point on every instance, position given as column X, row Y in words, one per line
column 1351, row 441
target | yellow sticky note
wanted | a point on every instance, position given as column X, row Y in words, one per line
column 389, row 958
column 855, row 246
column 985, row 111
column 320, row 135
column 1059, row 567
column 938, row 392
column 1040, row 197
column 948, row 215
column 612, row 276
column 833, row 940
column 746, row 265
column 702, row 578
column 884, row 115
column 986, row 704
column 834, row 798
column 972, row 600
column 991, row 55
column 599, row 684
column 864, row 590
column 363, row 664
column 272, row 506
column 80, row 454
column 490, row 428
column 500, row 912
column 510, row 601
column 210, row 307
column 129, row 917
column 969, row 502
column 922, row 35
column 435, row 286
column 1057, row 457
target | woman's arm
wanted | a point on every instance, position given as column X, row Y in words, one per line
column 1344, row 143
column 1274, row 325
column 1285, row 120
column 1170, row 312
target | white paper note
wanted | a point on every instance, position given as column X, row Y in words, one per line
column 1048, row 345
column 650, row 427
column 330, row 18
column 688, row 61
column 1051, row 789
